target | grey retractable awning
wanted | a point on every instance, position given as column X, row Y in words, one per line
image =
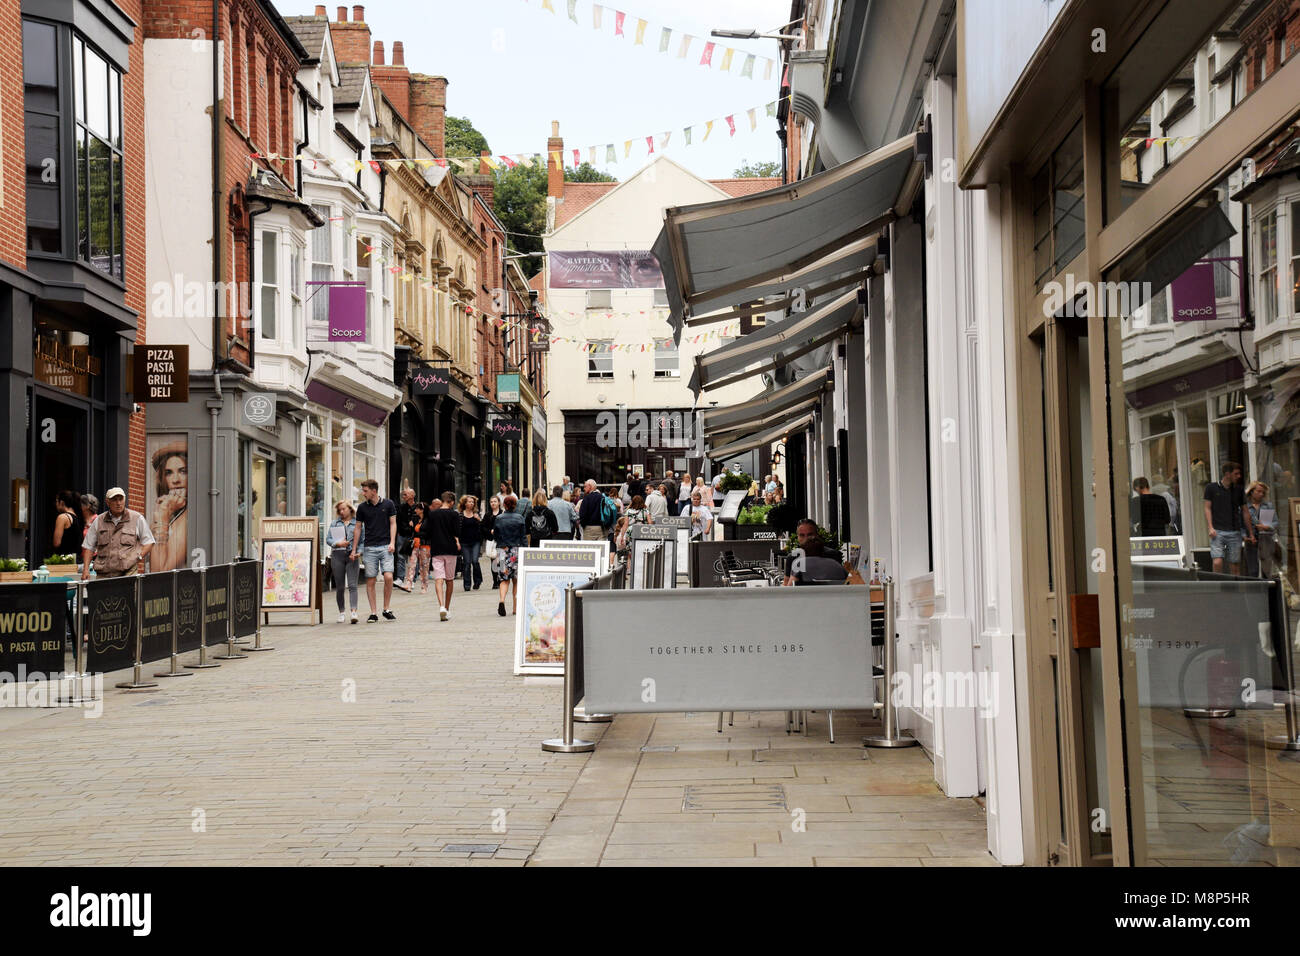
column 717, row 420
column 716, row 253
column 775, row 345
column 845, row 267
column 725, row 436
column 759, row 439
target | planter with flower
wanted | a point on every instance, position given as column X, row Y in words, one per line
column 14, row 571
column 61, row 566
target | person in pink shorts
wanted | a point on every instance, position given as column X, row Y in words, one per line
column 440, row 530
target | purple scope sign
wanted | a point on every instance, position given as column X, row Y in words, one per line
column 1192, row 294
column 347, row 307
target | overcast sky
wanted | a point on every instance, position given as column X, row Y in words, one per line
column 513, row 67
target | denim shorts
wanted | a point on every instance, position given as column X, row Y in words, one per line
column 380, row 561
column 1229, row 542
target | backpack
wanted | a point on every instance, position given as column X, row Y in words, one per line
column 608, row 512
column 538, row 524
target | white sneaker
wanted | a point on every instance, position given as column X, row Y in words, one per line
column 442, row 614
column 354, row 617
column 341, row 618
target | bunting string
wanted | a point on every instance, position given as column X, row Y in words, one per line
column 730, row 60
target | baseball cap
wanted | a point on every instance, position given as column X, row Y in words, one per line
column 114, row 493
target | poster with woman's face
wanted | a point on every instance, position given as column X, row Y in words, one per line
column 167, row 494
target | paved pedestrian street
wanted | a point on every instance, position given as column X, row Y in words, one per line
column 413, row 743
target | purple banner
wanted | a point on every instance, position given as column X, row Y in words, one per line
column 623, row 269
column 1192, row 294
column 323, row 394
column 347, row 313
column 1187, row 386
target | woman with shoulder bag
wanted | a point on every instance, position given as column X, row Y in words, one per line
column 488, row 533
column 471, row 540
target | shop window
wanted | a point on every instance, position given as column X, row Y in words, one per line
column 600, row 360
column 296, row 291
column 268, row 286
column 363, row 461
column 1295, row 260
column 322, row 270
column 600, row 299
column 667, row 359
column 80, row 128
column 1058, row 207
column 1266, row 307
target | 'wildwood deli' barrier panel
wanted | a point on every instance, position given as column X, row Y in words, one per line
column 156, row 614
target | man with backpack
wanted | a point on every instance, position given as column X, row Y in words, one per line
column 591, row 512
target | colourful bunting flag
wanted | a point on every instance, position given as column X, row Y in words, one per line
column 640, row 32
column 687, row 133
column 771, row 108
column 591, row 155
column 767, row 69
column 546, row 5
column 708, row 128
column 748, row 68
column 573, row 10
column 685, row 46
column 731, row 123
column 556, row 158
column 725, row 65
column 752, row 113
column 650, row 145
column 509, row 162
column 619, row 17
column 664, row 36
column 627, row 148
column 667, row 135
column 707, row 58
column 596, row 11
column 609, row 154
column 576, row 162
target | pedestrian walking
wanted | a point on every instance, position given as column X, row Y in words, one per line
column 442, row 530
column 592, row 512
column 566, row 516
column 417, row 565
column 489, row 536
column 405, row 532
column 541, row 520
column 344, row 566
column 510, row 537
column 1261, row 553
column 656, row 503
column 377, row 526
column 118, row 541
column 471, row 541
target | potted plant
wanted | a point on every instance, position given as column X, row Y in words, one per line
column 735, row 482
column 14, row 571
column 61, row 565
column 752, row 523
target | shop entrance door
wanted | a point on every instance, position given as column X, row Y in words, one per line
column 61, row 457
column 1071, row 815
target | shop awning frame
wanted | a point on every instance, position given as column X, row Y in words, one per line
column 759, row 439
column 755, row 409
column 721, row 252
column 735, row 433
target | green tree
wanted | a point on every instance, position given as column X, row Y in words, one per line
column 519, row 200
column 750, row 170
column 587, row 173
column 462, row 139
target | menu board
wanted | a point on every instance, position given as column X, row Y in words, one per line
column 289, row 563
column 544, row 576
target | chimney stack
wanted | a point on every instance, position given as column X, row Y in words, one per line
column 428, row 113
column 351, row 40
column 393, row 79
column 399, row 56
column 483, row 182
column 320, row 9
column 483, row 167
column 358, row 14
column 378, row 58
column 554, row 170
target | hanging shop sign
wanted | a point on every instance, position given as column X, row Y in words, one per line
column 347, row 312
column 162, row 373
column 507, row 428
column 621, row 269
column 68, row 367
column 429, row 380
column 539, row 336
column 507, row 386
column 1192, row 294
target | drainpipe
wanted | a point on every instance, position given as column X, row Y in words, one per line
column 218, row 196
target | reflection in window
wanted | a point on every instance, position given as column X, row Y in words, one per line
column 1267, row 305
column 1058, row 207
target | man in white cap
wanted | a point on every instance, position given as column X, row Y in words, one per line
column 118, row 540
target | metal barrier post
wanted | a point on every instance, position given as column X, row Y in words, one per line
column 891, row 737
column 175, row 665
column 1291, row 740
column 203, row 626
column 232, row 653
column 136, row 682
column 79, row 661
column 567, row 744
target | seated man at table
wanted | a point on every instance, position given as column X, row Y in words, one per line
column 812, row 560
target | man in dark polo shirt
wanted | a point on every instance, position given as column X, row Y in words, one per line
column 1227, row 518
